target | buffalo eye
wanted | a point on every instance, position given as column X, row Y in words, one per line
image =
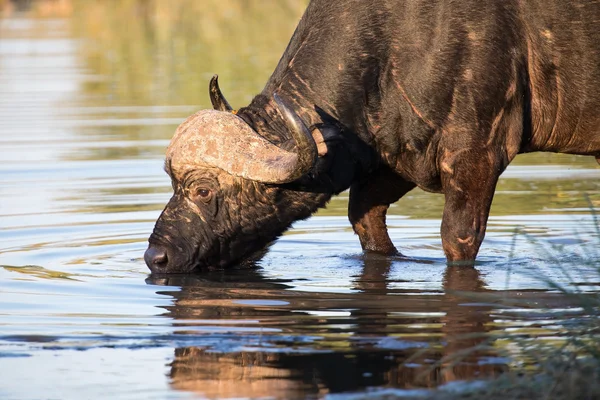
column 203, row 194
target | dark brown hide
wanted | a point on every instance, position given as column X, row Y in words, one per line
column 436, row 94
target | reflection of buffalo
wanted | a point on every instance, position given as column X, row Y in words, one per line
column 465, row 326
column 386, row 340
column 381, row 97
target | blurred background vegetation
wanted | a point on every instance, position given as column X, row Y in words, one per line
column 165, row 52
column 149, row 52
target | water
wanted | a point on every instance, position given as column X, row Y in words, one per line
column 85, row 117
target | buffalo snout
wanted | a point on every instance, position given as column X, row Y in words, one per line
column 157, row 258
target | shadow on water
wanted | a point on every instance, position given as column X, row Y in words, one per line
column 317, row 343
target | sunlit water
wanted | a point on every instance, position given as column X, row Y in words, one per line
column 80, row 317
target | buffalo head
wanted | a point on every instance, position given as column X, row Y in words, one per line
column 226, row 178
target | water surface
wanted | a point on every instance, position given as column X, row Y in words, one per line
column 90, row 95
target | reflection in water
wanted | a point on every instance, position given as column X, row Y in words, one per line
column 465, row 326
column 367, row 338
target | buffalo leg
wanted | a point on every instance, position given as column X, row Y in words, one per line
column 369, row 202
column 469, row 183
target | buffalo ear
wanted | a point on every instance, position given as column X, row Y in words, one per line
column 216, row 97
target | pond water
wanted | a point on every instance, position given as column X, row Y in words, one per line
column 90, row 94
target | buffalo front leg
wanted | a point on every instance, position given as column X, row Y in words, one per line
column 369, row 202
column 469, row 181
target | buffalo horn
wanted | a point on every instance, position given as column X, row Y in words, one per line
column 226, row 141
column 216, row 97
column 306, row 148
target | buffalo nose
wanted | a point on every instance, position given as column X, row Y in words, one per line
column 156, row 258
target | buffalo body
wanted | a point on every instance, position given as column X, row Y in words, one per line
column 380, row 97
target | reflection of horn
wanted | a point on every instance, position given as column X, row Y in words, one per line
column 225, row 141
column 216, row 97
column 245, row 374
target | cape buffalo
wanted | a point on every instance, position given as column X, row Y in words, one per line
column 381, row 96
